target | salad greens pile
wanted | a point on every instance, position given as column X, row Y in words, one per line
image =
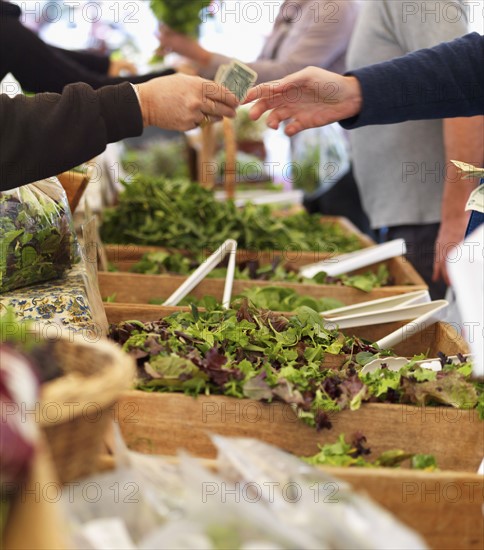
column 271, row 297
column 263, row 355
column 345, row 454
column 36, row 239
column 157, row 263
column 180, row 214
column 182, row 16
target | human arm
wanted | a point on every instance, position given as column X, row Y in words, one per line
column 47, row 134
column 89, row 60
column 464, row 141
column 307, row 99
column 39, row 67
column 101, row 64
column 319, row 36
column 440, row 82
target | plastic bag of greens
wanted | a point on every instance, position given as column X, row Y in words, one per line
column 37, row 238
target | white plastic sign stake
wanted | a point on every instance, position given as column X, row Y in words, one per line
column 228, row 247
column 355, row 260
column 416, row 297
column 389, row 310
column 430, row 317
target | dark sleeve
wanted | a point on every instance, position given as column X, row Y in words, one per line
column 91, row 61
column 39, row 67
column 440, row 82
column 47, row 134
column 100, row 64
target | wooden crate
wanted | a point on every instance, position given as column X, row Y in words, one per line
column 133, row 288
column 403, row 274
column 444, row 507
column 158, row 423
column 162, row 423
column 427, row 503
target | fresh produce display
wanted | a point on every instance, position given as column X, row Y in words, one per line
column 180, row 214
column 344, row 454
column 272, row 297
column 244, row 353
column 181, row 15
column 157, row 263
column 262, row 355
column 37, row 242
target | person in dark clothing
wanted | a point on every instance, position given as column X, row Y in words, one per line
column 39, row 67
column 46, row 134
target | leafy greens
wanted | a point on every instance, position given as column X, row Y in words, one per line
column 265, row 356
column 36, row 239
column 180, row 214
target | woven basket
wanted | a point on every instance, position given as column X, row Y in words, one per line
column 77, row 408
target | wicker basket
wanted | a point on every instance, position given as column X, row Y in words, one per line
column 76, row 409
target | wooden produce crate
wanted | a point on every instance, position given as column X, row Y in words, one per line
column 133, row 288
column 162, row 423
column 443, row 430
column 405, row 277
column 445, row 507
column 427, row 503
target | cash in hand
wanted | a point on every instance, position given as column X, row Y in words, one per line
column 236, row 77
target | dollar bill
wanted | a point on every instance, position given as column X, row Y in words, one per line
column 476, row 200
column 238, row 78
column 220, row 72
column 468, row 170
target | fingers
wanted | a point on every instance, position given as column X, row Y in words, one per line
column 217, row 100
column 269, row 90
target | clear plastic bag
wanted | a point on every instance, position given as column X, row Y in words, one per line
column 37, row 237
column 323, row 507
column 259, row 498
column 321, row 157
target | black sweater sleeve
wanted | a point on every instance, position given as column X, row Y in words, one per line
column 90, row 61
column 440, row 82
column 41, row 68
column 46, row 134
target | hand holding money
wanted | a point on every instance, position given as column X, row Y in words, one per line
column 236, row 77
column 182, row 102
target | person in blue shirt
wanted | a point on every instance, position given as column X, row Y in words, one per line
column 441, row 82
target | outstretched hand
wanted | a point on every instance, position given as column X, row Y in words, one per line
column 182, row 102
column 309, row 98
